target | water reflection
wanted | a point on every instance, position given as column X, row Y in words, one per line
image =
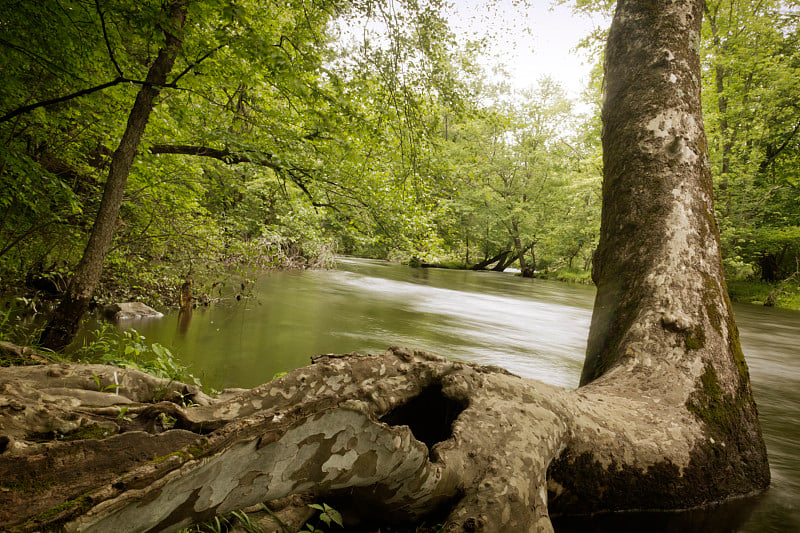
column 184, row 320
column 725, row 518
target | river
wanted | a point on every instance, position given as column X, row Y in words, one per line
column 534, row 328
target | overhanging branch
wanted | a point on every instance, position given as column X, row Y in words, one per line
column 45, row 103
column 83, row 92
column 230, row 158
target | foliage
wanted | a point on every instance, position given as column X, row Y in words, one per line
column 290, row 136
column 327, row 515
column 290, row 133
column 129, row 349
column 274, row 131
column 751, row 73
column 750, row 60
column 520, row 180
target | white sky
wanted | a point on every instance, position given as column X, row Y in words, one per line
column 532, row 42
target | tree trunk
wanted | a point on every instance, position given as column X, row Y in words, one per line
column 66, row 320
column 662, row 325
column 504, row 262
column 525, row 271
column 390, row 439
column 726, row 143
column 499, row 258
column 664, row 418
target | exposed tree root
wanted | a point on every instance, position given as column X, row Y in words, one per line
column 393, row 438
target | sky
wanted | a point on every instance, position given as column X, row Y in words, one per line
column 531, row 41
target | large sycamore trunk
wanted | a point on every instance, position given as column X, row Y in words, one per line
column 662, row 325
column 663, row 419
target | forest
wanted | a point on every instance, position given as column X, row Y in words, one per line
column 283, row 134
column 151, row 146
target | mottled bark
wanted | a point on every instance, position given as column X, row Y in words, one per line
column 662, row 325
column 390, row 439
column 65, row 322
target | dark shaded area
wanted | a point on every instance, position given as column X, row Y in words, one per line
column 430, row 415
column 363, row 512
column 722, row 518
column 587, row 487
column 61, row 472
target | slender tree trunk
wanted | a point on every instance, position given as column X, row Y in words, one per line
column 65, row 322
column 504, row 262
column 724, row 129
column 520, row 251
column 500, row 258
column 533, row 257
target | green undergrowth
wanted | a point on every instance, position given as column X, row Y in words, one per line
column 325, row 520
column 784, row 296
column 106, row 345
column 130, row 349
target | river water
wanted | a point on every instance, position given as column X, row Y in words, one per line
column 534, row 328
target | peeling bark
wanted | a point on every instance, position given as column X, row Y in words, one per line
column 479, row 448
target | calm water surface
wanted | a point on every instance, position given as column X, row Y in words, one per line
column 533, row 328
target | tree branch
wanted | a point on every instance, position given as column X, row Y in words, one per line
column 78, row 94
column 53, row 101
column 772, row 155
column 105, row 37
column 226, row 156
column 197, row 62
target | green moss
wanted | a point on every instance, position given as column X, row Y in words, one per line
column 721, row 412
column 60, row 513
column 708, row 404
column 92, row 431
column 25, row 484
column 180, row 453
column 89, row 431
column 710, row 294
column 196, row 450
column 696, row 339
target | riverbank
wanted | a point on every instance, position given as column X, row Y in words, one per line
column 784, row 296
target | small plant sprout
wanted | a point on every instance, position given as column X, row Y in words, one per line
column 123, row 414
column 328, row 514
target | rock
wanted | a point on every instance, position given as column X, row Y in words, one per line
column 129, row 310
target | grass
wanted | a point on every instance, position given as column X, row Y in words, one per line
column 786, row 296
